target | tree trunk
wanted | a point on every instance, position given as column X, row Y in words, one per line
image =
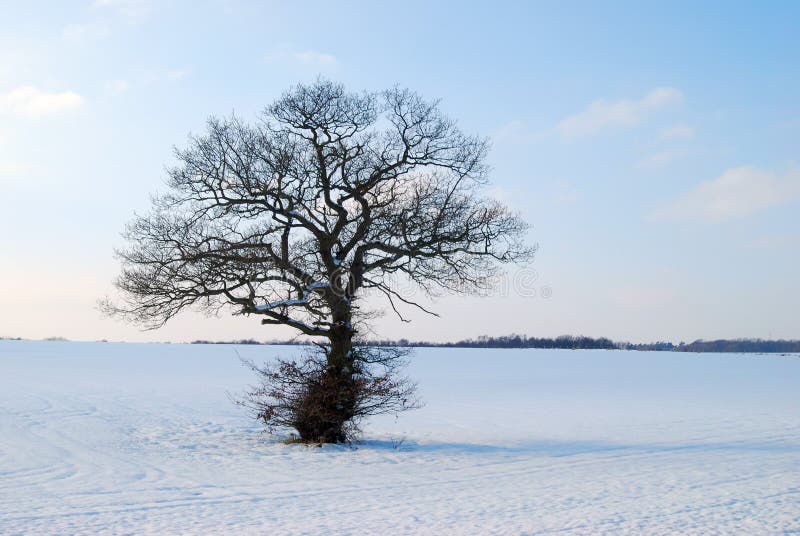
column 331, row 401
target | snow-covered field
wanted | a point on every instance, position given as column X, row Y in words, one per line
column 142, row 438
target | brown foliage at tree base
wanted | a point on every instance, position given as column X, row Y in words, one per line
column 325, row 404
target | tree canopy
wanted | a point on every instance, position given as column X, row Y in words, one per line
column 291, row 218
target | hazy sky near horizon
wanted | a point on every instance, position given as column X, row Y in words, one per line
column 653, row 147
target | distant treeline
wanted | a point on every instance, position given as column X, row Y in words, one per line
column 511, row 341
column 570, row 342
column 722, row 346
column 564, row 342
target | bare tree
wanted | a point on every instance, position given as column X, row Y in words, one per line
column 329, row 195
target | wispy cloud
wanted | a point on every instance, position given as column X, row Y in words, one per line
column 18, row 174
column 85, row 32
column 312, row 57
column 286, row 54
column 133, row 10
column 146, row 79
column 118, row 86
column 177, row 74
column 639, row 298
column 567, row 193
column 517, row 132
column 679, row 131
column 776, row 241
column 28, row 101
column 107, row 12
column 603, row 114
column 11, row 169
column 737, row 193
column 662, row 158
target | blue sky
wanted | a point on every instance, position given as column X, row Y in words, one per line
column 653, row 146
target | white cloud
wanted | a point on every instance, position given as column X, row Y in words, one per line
column 313, row 58
column 737, row 193
column 603, row 114
column 28, row 101
column 679, row 131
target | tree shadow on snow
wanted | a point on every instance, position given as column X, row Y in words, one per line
column 561, row 448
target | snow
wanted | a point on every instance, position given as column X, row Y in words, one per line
column 142, row 438
column 296, row 301
column 281, row 303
